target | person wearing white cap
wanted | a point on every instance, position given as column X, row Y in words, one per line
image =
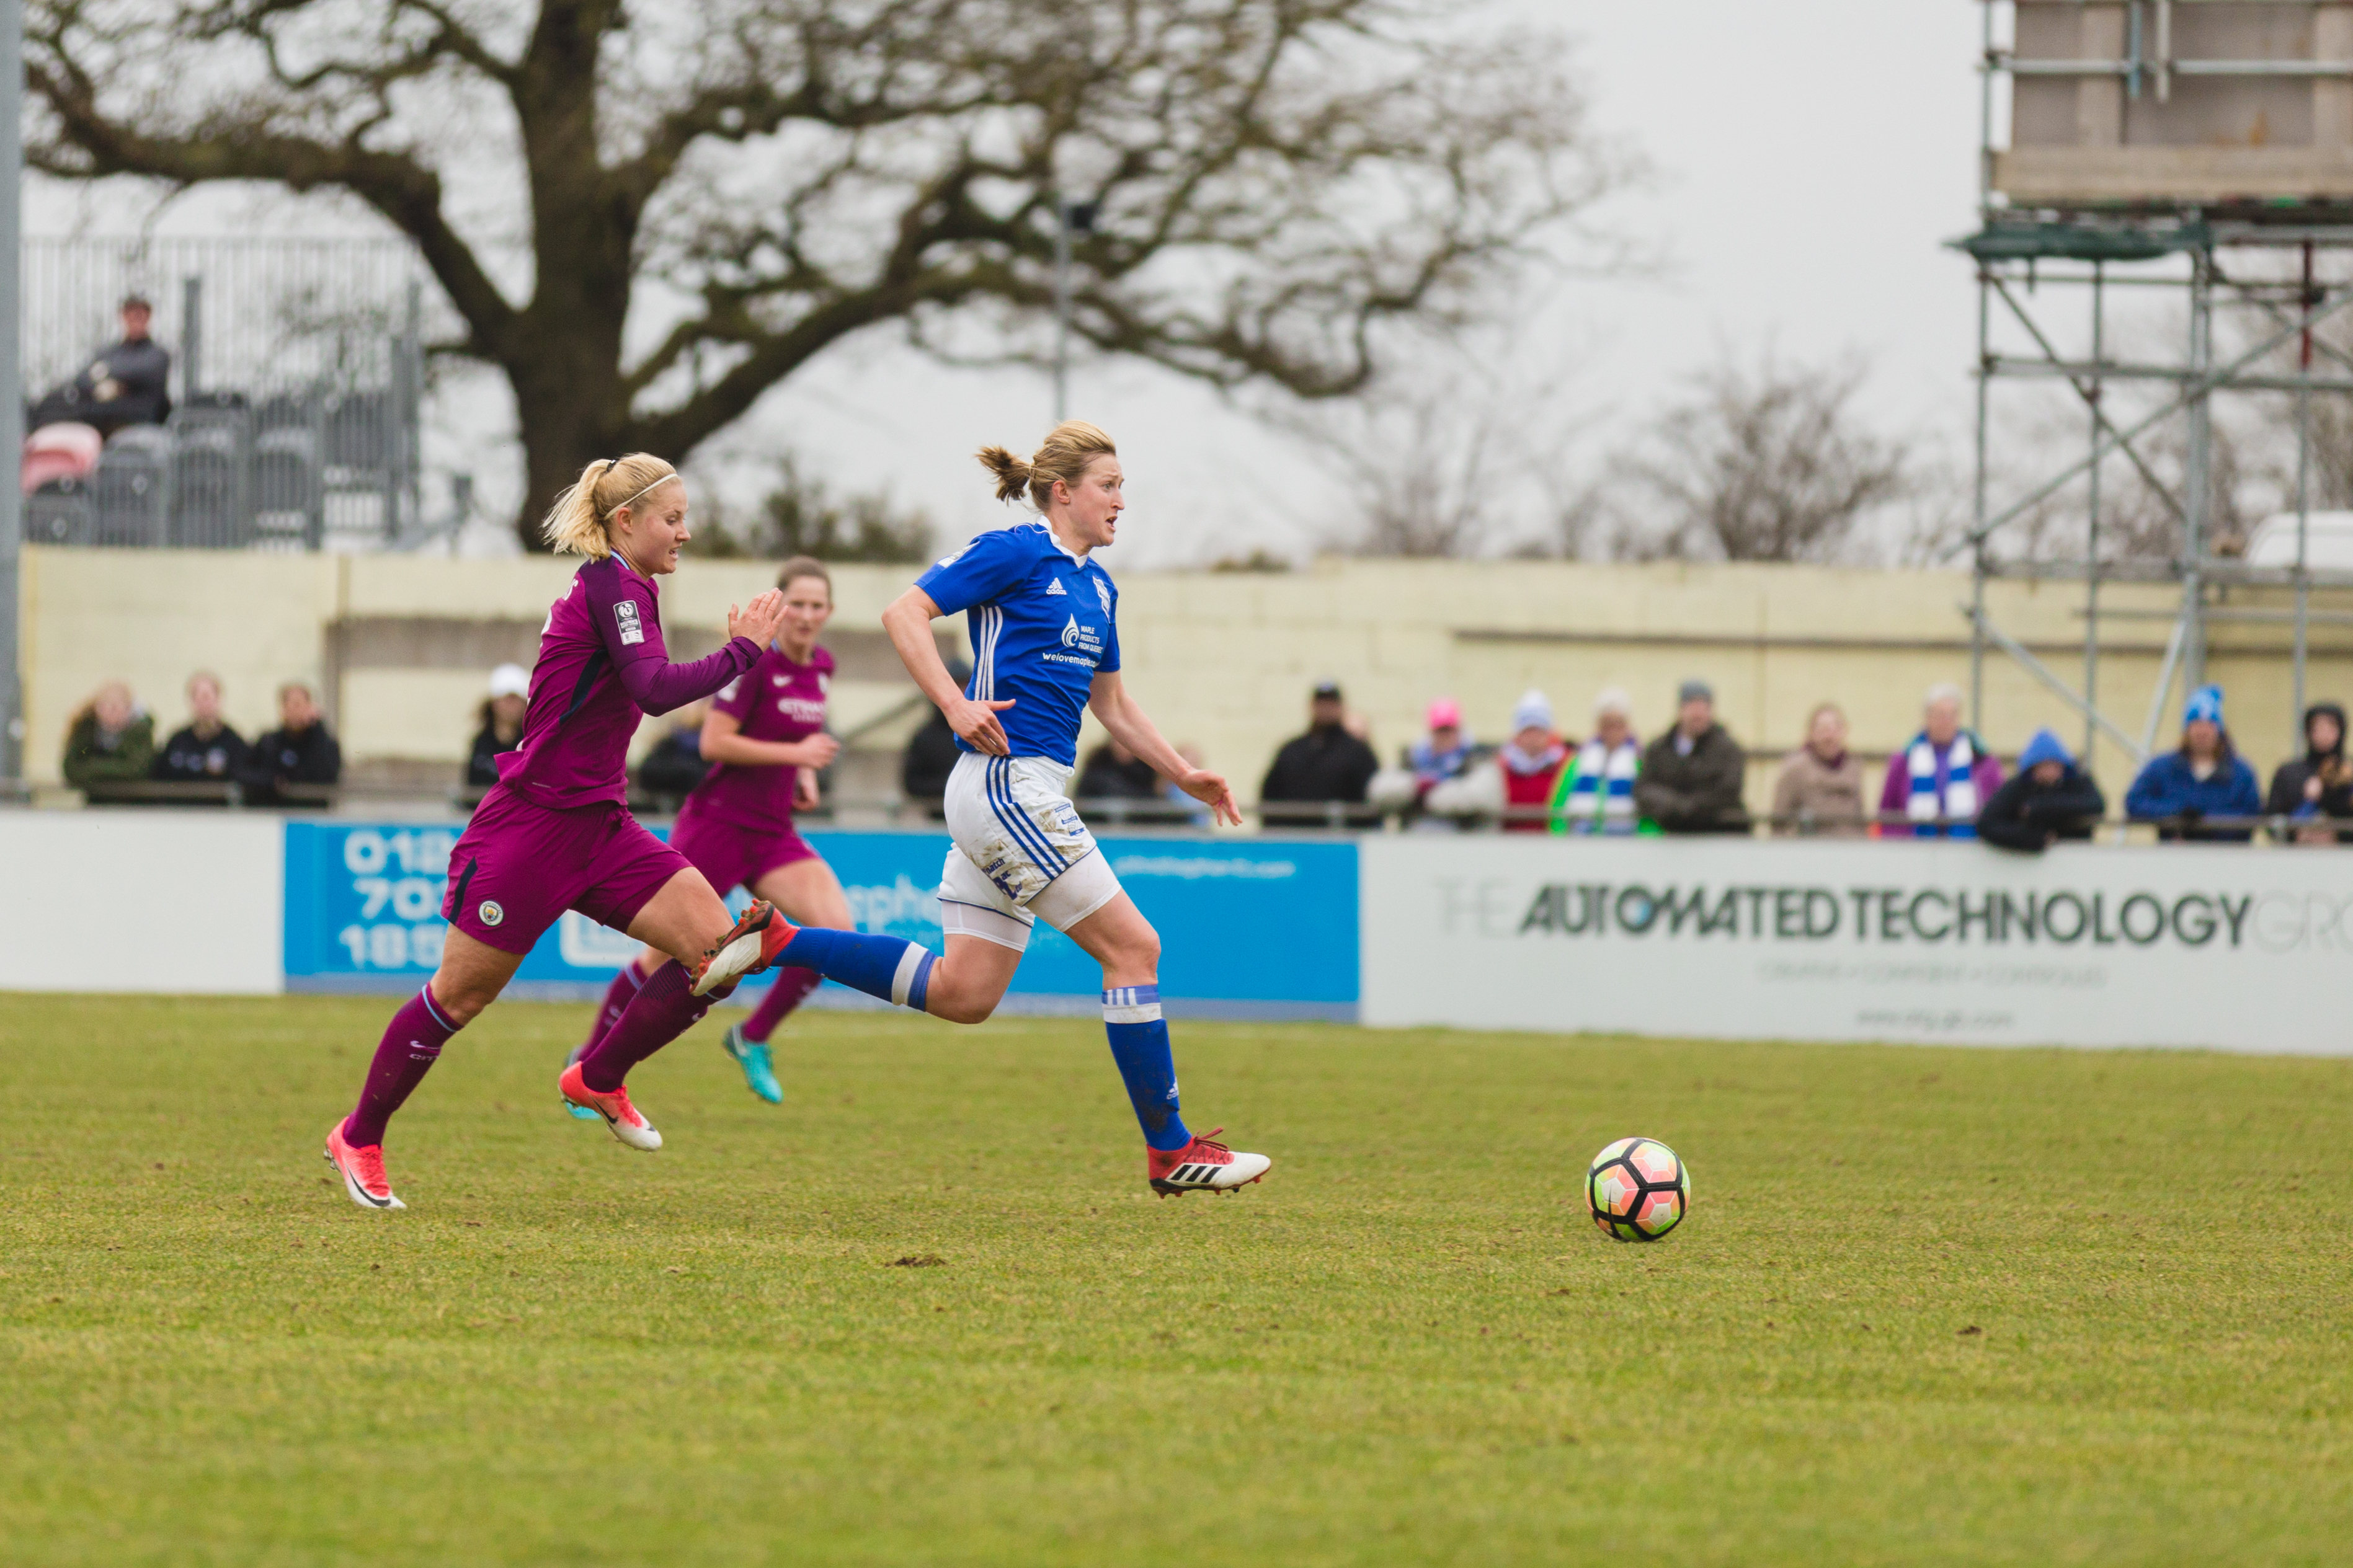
column 501, row 723
column 1596, row 794
column 1531, row 760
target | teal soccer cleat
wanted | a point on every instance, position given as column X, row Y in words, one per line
column 579, row 1112
column 751, row 1056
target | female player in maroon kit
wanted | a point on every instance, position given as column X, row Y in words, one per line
column 766, row 737
column 555, row 833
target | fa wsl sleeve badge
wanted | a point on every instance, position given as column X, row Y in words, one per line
column 625, row 616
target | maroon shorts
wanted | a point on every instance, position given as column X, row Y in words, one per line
column 518, row 866
column 730, row 854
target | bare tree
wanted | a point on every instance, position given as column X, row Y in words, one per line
column 1765, row 465
column 745, row 183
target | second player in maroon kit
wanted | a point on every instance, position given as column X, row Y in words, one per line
column 765, row 739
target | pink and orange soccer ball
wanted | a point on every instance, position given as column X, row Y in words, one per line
column 1638, row 1190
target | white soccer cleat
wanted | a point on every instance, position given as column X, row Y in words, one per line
column 750, row 945
column 362, row 1171
column 1203, row 1166
column 628, row 1124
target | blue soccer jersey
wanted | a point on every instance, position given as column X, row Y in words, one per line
column 1042, row 623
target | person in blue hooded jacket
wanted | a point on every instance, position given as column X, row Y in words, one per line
column 2207, row 777
column 2049, row 798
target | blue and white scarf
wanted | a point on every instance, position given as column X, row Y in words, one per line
column 1949, row 792
column 1601, row 796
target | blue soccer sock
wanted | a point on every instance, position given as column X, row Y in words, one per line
column 890, row 967
column 1139, row 1044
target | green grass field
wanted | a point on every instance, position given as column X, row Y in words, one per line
column 1931, row 1307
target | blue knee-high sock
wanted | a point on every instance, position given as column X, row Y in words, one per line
column 1139, row 1044
column 890, row 967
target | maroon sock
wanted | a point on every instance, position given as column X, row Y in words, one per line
column 792, row 987
column 628, row 980
column 412, row 1043
column 664, row 1008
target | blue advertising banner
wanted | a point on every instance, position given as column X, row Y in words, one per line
column 1249, row 928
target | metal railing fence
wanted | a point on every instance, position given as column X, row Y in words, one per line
column 297, row 382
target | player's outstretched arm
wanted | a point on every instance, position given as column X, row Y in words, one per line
column 1132, row 728
column 909, row 621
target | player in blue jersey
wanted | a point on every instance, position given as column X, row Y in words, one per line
column 1043, row 618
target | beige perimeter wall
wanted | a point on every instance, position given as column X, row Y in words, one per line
column 1224, row 661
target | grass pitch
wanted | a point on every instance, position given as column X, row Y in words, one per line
column 1932, row 1306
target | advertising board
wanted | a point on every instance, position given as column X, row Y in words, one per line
column 1265, row 928
column 2224, row 946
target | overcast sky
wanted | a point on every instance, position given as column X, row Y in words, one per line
column 1804, row 177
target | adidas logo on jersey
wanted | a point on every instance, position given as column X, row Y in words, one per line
column 1054, row 587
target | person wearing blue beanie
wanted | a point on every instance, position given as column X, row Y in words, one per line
column 2206, row 777
column 2049, row 798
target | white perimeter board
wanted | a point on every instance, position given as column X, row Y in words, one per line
column 2238, row 948
column 171, row 901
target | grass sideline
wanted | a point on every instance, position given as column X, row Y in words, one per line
column 1931, row 1307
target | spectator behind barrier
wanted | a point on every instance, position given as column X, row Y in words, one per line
column 1435, row 760
column 2317, row 786
column 204, row 750
column 674, row 766
column 930, row 755
column 111, row 740
column 1532, row 763
column 1944, row 771
column 1596, row 793
column 1821, row 784
column 1114, row 772
column 1691, row 776
column 1329, row 764
column 2207, row 777
column 501, row 723
column 2051, row 798
column 301, row 752
column 124, row 383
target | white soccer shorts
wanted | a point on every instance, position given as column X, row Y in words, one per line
column 1020, row 852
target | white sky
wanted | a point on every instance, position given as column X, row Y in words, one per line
column 1808, row 165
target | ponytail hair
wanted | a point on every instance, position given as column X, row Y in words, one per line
column 577, row 523
column 1070, row 448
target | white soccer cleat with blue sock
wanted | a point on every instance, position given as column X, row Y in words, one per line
column 1204, row 1166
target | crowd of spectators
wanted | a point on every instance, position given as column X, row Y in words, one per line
column 1945, row 782
column 111, row 756
column 1688, row 779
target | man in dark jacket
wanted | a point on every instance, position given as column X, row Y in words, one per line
column 123, row 384
column 298, row 752
column 1692, row 775
column 2318, row 784
column 1325, row 764
column 2049, row 798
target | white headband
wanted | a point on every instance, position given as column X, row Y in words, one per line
column 641, row 494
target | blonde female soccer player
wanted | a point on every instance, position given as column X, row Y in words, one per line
column 555, row 833
column 1043, row 618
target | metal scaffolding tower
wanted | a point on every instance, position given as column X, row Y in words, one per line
column 2272, row 271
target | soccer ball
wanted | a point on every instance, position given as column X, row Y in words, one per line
column 1638, row 1190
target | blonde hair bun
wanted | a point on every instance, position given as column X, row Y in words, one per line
column 1071, row 447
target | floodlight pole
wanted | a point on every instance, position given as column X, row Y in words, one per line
column 1062, row 308
column 1070, row 218
column 12, row 399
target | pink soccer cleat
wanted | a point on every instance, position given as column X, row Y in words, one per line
column 362, row 1171
column 628, row 1123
